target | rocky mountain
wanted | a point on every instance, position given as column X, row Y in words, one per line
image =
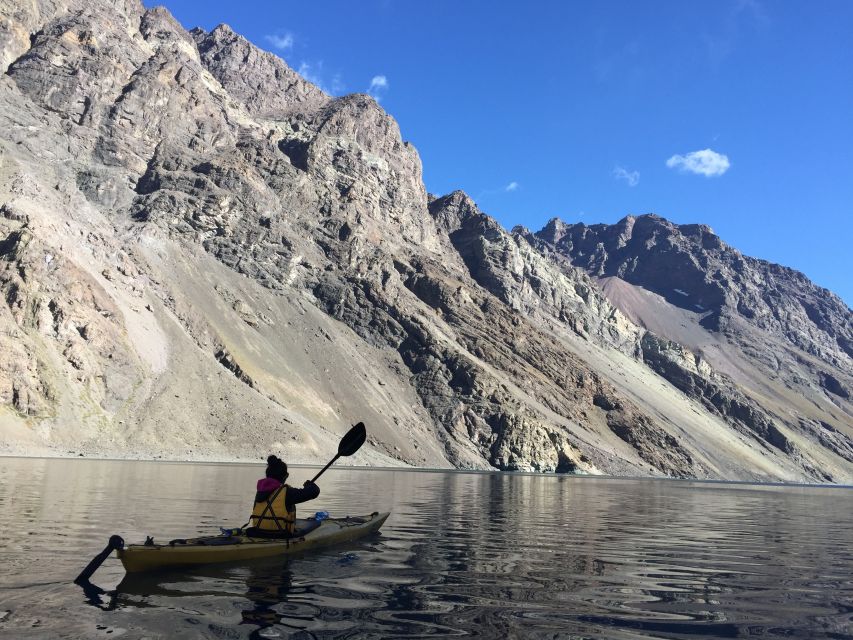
column 772, row 334
column 202, row 255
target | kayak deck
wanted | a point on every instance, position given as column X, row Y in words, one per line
column 229, row 548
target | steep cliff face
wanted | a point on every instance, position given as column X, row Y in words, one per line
column 204, row 255
column 533, row 276
column 780, row 342
column 537, row 285
column 693, row 269
column 261, row 81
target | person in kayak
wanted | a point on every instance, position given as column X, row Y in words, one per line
column 274, row 511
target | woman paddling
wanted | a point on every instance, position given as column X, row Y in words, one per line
column 274, row 512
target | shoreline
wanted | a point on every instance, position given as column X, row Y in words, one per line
column 410, row 469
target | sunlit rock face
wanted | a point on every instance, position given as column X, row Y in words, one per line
column 781, row 343
column 202, row 255
column 693, row 269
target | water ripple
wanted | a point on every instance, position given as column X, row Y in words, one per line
column 463, row 555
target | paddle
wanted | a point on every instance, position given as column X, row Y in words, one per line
column 349, row 444
column 115, row 542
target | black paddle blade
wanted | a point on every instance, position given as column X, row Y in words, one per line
column 349, row 444
column 353, row 440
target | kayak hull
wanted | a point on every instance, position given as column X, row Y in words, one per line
column 137, row 558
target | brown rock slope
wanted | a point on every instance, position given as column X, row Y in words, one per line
column 768, row 348
column 203, row 255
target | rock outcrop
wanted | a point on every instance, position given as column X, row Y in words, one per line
column 692, row 268
column 204, row 255
column 777, row 338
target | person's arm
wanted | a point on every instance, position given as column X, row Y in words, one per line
column 308, row 492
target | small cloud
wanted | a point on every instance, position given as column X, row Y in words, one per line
column 705, row 162
column 507, row 188
column 378, row 85
column 378, row 82
column 282, row 42
column 745, row 15
column 310, row 71
column 754, row 8
column 313, row 73
column 631, row 177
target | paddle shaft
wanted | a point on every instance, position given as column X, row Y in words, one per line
column 331, row 462
column 349, row 444
column 115, row 543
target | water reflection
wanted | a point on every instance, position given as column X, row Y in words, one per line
column 97, row 596
column 462, row 554
column 271, row 604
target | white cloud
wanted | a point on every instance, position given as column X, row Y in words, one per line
column 741, row 22
column 705, row 162
column 313, row 73
column 378, row 82
column 512, row 186
column 282, row 42
column 631, row 177
column 378, row 85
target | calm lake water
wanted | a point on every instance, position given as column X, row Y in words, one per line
column 484, row 555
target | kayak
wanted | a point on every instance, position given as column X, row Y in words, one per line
column 310, row 534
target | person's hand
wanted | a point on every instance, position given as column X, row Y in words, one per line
column 307, row 482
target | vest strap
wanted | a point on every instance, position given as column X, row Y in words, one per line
column 267, row 508
column 273, row 514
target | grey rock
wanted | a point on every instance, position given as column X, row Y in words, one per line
column 261, row 81
column 785, row 333
column 691, row 267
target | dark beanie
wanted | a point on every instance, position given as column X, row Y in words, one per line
column 276, row 468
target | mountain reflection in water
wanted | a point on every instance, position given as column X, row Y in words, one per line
column 488, row 555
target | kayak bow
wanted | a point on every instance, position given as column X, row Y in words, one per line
column 228, row 548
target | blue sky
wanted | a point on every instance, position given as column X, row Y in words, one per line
column 590, row 111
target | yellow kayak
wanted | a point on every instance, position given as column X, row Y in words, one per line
column 228, row 548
